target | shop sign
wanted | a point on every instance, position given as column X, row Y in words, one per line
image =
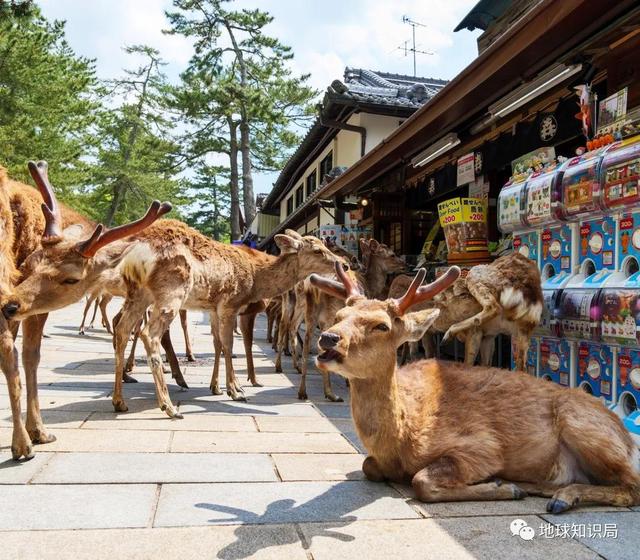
column 611, row 110
column 466, row 169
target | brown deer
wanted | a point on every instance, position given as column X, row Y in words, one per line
column 168, row 266
column 22, row 225
column 454, row 430
column 99, row 301
column 504, row 297
column 378, row 262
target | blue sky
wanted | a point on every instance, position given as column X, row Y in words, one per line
column 325, row 36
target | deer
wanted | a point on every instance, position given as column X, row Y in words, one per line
column 23, row 225
column 457, row 432
column 378, row 262
column 99, row 301
column 504, row 297
column 167, row 266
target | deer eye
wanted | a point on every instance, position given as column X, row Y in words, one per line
column 71, row 281
column 381, row 327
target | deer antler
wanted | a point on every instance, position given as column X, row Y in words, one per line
column 99, row 238
column 417, row 293
column 39, row 173
column 342, row 290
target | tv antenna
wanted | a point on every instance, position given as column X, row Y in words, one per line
column 405, row 46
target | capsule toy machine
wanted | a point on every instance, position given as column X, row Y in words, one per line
column 620, row 178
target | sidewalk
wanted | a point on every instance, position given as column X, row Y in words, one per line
column 270, row 478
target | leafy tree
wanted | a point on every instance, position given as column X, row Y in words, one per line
column 137, row 154
column 233, row 55
column 47, row 104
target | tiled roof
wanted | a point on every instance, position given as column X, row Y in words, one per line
column 371, row 91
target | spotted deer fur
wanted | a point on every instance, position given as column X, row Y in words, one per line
column 456, row 431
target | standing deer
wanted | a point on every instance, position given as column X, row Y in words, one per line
column 168, row 266
column 452, row 429
column 378, row 262
column 504, row 297
column 22, row 225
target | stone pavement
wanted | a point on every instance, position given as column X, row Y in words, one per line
column 270, row 478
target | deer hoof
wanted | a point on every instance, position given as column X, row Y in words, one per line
column 171, row 412
column 215, row 390
column 254, row 383
column 40, row 437
column 21, row 446
column 128, row 379
column 179, row 377
column 191, row 358
column 302, row 395
column 81, row 333
column 236, row 395
column 119, row 406
column 518, row 493
column 555, row 505
column 334, row 398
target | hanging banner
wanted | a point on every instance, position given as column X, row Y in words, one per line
column 466, row 172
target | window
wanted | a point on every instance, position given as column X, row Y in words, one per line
column 289, row 205
column 311, row 183
column 326, row 165
column 299, row 195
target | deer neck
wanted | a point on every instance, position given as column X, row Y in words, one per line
column 375, row 278
column 276, row 276
column 378, row 413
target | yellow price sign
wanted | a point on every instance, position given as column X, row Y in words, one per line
column 450, row 212
column 473, row 210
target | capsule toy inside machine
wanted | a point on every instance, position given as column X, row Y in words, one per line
column 620, row 178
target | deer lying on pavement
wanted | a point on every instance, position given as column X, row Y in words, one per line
column 504, row 297
column 453, row 429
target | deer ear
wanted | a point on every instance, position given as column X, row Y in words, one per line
column 374, row 245
column 288, row 244
column 417, row 323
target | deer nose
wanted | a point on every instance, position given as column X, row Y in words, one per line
column 10, row 309
column 328, row 340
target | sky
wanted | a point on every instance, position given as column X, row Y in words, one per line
column 326, row 36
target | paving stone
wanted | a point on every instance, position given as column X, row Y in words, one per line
column 334, row 410
column 76, row 506
column 254, row 409
column 160, row 421
column 285, row 424
column 103, row 440
column 268, row 542
column 53, row 419
column 100, row 468
column 349, row 431
column 319, row 467
column 21, row 472
column 627, row 525
column 430, row 539
column 73, row 404
column 260, row 442
column 277, row 502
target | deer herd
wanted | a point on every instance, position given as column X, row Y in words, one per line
column 454, row 431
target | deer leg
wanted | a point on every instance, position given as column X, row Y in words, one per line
column 309, row 320
column 247, row 323
column 443, row 481
column 131, row 360
column 490, row 309
column 161, row 318
column 32, row 328
column 87, row 306
column 472, row 346
column 270, row 321
column 187, row 340
column 283, row 332
column 414, row 351
column 574, row 494
column 167, row 345
column 227, row 323
column 95, row 312
column 217, row 345
column 104, row 302
column 123, row 323
column 487, row 348
column 429, row 345
column 20, row 442
column 521, row 349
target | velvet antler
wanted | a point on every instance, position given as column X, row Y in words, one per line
column 99, row 238
column 39, row 173
column 417, row 294
column 342, row 290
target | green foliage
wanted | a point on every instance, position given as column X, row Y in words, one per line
column 46, row 101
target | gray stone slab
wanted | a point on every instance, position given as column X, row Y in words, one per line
column 160, row 421
column 430, row 539
column 277, row 502
column 624, row 546
column 349, row 431
column 257, row 542
column 101, row 468
column 53, row 419
column 286, row 424
column 334, row 410
column 76, row 506
column 251, row 408
column 260, row 442
column 306, row 466
column 21, row 472
column 104, row 440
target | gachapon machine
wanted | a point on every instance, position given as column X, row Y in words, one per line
column 627, row 390
column 531, row 363
column 581, row 203
column 595, row 370
column 511, row 219
column 556, row 361
column 543, row 214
